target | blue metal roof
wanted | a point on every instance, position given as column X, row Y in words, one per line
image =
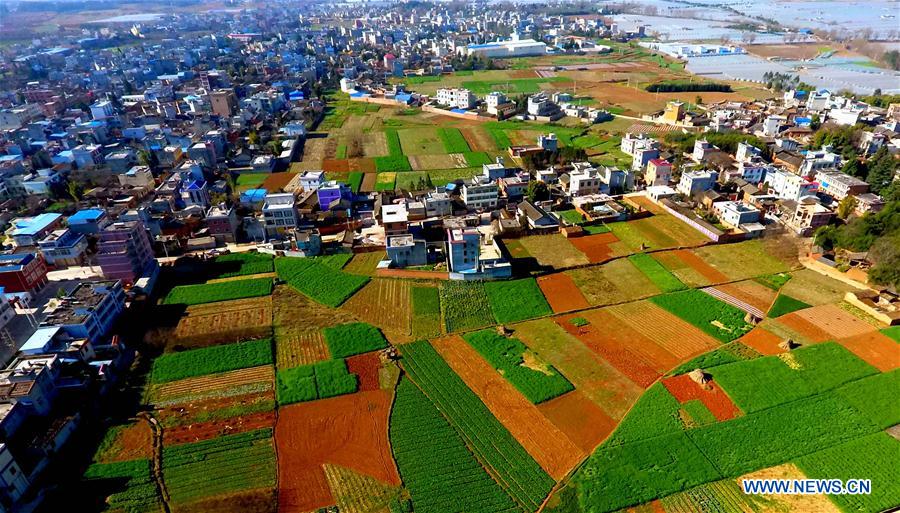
column 87, row 215
column 253, row 195
column 35, row 224
column 15, row 262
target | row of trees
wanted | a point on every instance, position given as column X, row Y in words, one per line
column 879, row 234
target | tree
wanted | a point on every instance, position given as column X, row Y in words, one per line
column 881, row 166
column 537, row 191
column 847, row 206
column 885, row 253
column 253, row 137
column 854, row 167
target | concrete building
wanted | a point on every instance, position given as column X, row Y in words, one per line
column 124, row 252
column 456, row 98
column 494, row 100
column 673, row 113
column 515, row 47
column 394, row 219
column 312, row 180
column 88, row 221
column 789, row 186
column 64, row 248
column 405, row 250
column 480, row 193
column 223, row 102
column 583, row 181
column 696, row 182
column 29, row 231
column 659, row 172
column 90, row 310
column 734, row 213
column 471, row 256
column 839, row 185
column 332, row 194
column 279, row 213
column 437, row 204
column 222, row 222
column 137, row 176
column 22, row 272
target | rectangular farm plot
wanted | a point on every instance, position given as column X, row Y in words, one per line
column 597, row 248
column 349, row 431
column 535, row 379
column 742, row 260
column 225, row 321
column 763, row 341
column 689, row 268
column 318, row 380
column 209, row 360
column 516, row 300
column 465, row 306
column 355, row 338
column 673, row 334
column 553, row 251
column 657, row 232
column 714, row 317
column 875, row 349
column 421, row 141
column 750, row 293
column 835, row 321
column 582, row 421
column 617, row 333
column 658, row 274
column 561, row 292
column 219, row 466
column 426, row 311
column 385, row 303
column 596, row 378
column 549, row 446
column 213, row 292
column 318, row 280
column 816, row 289
column 504, row 457
column 614, row 282
column 453, row 140
column 438, row 468
column 136, row 492
column 685, row 389
column 213, row 386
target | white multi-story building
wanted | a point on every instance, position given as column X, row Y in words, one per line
column 312, row 180
column 279, row 213
column 480, row 194
column 515, row 47
column 696, row 182
column 819, row 159
column 789, row 186
column 494, row 100
column 840, row 185
column 735, row 213
column 584, row 180
column 456, row 98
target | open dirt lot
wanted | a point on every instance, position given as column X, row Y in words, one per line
column 350, row 431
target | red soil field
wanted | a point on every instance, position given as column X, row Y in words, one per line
column 631, row 365
column 579, row 418
column 478, row 139
column 804, row 328
column 522, row 73
column 763, row 340
column 546, row 443
column 562, row 293
column 595, row 247
column 835, row 321
column 206, row 430
column 875, row 349
column 752, row 293
column 365, row 366
column 335, row 165
column 132, row 442
column 350, row 430
column 698, row 264
column 627, row 337
column 685, row 389
column 666, row 330
column 366, row 165
column 277, row 181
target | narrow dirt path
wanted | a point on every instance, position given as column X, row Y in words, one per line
column 156, row 465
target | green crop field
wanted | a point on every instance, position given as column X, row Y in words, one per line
column 392, row 163
column 426, row 311
column 516, row 300
column 535, row 379
column 476, row 158
column 136, row 492
column 354, row 180
column 698, row 412
column 314, row 381
column 226, row 464
column 512, row 85
column 729, row 353
column 494, row 446
column 453, row 140
column 769, row 381
column 893, row 333
column 463, row 306
column 655, row 414
column 875, row 397
column 386, row 182
column 239, row 264
column 784, row 305
column 355, row 338
column 210, row 360
column 213, row 292
column 320, row 281
column 872, row 457
column 774, row 281
column 437, row 467
column 659, row 275
column 716, row 318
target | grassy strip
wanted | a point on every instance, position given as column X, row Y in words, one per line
column 659, row 275
column 784, row 305
column 210, row 360
column 355, row 180
column 453, row 140
column 239, row 264
column 516, row 300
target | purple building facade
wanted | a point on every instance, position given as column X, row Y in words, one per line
column 124, row 251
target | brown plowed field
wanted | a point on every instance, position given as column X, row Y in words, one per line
column 562, row 293
column 365, row 366
column 613, row 352
column 579, row 418
column 875, row 349
column 335, row 165
column 132, row 442
column 546, row 443
column 627, row 337
column 202, row 409
column 350, row 431
column 225, row 321
column 368, row 182
column 212, row 429
column 277, row 181
column 763, row 340
column 385, row 303
column 300, row 349
column 673, row 334
column 478, row 139
column 596, row 247
column 752, row 293
column 366, row 165
column 213, row 382
column 696, row 263
column 835, row 321
column 684, row 389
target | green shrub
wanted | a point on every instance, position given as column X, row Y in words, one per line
column 354, row 338
column 516, row 300
column 784, row 305
column 223, row 291
column 703, row 310
column 659, row 275
column 535, row 379
column 210, row 360
column 578, row 321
